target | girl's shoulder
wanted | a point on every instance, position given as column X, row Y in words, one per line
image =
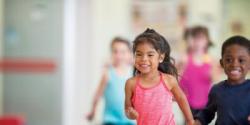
column 207, row 58
column 105, row 71
column 169, row 80
column 131, row 82
column 168, row 77
column 183, row 59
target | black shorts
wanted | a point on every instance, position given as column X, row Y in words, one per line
column 195, row 111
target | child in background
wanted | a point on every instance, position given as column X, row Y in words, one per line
column 230, row 98
column 112, row 85
column 150, row 92
column 196, row 68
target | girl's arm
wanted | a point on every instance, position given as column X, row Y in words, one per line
column 216, row 71
column 181, row 67
column 180, row 99
column 98, row 94
column 130, row 111
column 181, row 64
column 197, row 122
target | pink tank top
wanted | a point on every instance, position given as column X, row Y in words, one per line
column 196, row 83
column 154, row 104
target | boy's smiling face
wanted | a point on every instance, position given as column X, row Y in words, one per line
column 236, row 63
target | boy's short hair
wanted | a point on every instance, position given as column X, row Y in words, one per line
column 236, row 40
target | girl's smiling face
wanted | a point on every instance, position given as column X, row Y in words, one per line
column 236, row 63
column 120, row 53
column 147, row 58
column 198, row 43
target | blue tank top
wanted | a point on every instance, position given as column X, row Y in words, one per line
column 114, row 96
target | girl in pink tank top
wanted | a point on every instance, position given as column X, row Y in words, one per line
column 155, row 103
column 197, row 68
column 150, row 92
column 196, row 81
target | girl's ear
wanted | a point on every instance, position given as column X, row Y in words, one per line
column 162, row 56
column 221, row 63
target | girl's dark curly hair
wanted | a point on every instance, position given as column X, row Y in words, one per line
column 161, row 45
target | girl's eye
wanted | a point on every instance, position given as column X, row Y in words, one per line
column 137, row 54
column 150, row 55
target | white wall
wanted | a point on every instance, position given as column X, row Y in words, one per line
column 77, row 60
column 109, row 19
column 69, row 41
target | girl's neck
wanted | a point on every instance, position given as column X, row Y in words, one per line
column 150, row 79
column 121, row 66
column 122, row 69
column 198, row 53
column 150, row 76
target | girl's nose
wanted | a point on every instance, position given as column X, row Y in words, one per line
column 144, row 58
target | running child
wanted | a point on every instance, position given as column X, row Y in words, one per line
column 149, row 94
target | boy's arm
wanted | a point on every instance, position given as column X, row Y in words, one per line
column 129, row 110
column 208, row 113
column 98, row 94
column 180, row 99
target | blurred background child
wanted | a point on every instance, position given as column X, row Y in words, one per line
column 196, row 67
column 112, row 84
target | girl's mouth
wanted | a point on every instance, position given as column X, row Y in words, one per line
column 144, row 65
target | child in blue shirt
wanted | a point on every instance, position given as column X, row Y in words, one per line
column 230, row 98
column 112, row 85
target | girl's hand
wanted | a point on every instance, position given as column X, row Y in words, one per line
column 248, row 119
column 132, row 113
column 197, row 122
column 90, row 116
column 191, row 122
